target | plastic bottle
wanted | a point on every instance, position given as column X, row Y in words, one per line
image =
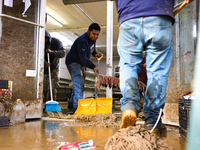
column 18, row 112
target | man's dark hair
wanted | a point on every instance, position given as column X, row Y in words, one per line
column 94, row 26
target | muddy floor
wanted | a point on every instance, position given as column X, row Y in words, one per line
column 48, row 134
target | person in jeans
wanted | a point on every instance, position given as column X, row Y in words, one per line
column 54, row 47
column 79, row 57
column 144, row 26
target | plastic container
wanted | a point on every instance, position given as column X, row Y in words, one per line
column 4, row 121
column 184, row 111
column 18, row 113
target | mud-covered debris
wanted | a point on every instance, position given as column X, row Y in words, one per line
column 135, row 138
column 103, row 120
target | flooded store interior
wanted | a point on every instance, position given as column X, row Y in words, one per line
column 24, row 124
column 42, row 134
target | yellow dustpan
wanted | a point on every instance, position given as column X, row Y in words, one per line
column 94, row 106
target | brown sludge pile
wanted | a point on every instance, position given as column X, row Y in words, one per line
column 103, row 120
column 135, row 138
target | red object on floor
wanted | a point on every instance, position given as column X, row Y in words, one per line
column 83, row 145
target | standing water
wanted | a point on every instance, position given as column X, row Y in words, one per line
column 48, row 135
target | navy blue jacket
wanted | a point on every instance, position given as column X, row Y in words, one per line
column 80, row 52
column 129, row 9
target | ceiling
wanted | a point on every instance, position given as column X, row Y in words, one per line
column 76, row 18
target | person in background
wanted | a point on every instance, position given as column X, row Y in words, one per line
column 70, row 102
column 79, row 57
column 144, row 26
column 54, row 47
column 142, row 80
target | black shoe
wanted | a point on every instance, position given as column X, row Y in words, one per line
column 160, row 128
column 74, row 111
column 70, row 105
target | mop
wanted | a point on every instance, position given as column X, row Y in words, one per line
column 51, row 105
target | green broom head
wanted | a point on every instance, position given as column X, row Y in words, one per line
column 52, row 106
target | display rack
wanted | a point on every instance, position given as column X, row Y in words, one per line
column 89, row 86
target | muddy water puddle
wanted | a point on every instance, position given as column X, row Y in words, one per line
column 48, row 135
column 45, row 135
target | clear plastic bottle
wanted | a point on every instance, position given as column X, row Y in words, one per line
column 18, row 112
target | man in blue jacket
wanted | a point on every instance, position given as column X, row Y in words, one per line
column 79, row 57
column 144, row 26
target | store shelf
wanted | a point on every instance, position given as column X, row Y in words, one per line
column 116, row 71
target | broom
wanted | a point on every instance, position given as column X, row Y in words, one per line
column 51, row 105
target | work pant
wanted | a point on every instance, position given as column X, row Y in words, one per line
column 46, row 85
column 70, row 103
column 77, row 73
column 154, row 35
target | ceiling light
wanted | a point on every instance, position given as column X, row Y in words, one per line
column 55, row 21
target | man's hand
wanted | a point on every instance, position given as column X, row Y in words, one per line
column 48, row 51
column 47, row 65
column 96, row 69
column 188, row 1
column 98, row 55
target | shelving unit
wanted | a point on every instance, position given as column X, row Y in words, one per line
column 116, row 71
column 63, row 92
column 89, row 86
column 116, row 99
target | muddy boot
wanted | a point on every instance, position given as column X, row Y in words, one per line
column 129, row 118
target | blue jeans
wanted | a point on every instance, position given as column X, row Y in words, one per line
column 154, row 35
column 77, row 73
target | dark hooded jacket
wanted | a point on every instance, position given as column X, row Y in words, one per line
column 56, row 46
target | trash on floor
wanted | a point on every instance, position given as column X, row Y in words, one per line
column 188, row 95
column 18, row 112
column 83, row 145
